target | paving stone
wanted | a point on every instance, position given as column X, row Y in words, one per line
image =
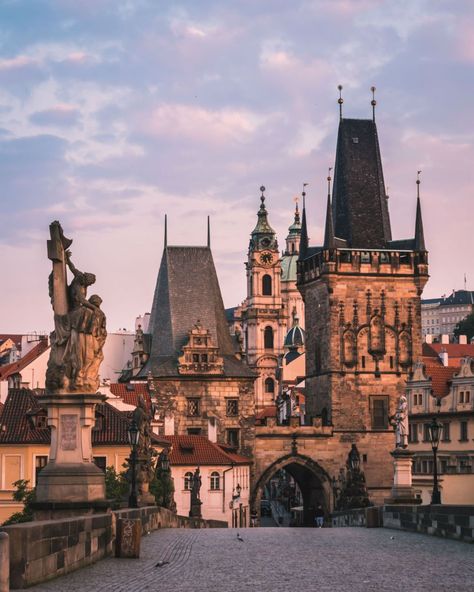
column 281, row 560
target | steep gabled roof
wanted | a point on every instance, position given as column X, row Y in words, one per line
column 198, row 451
column 130, row 392
column 360, row 207
column 187, row 291
column 440, row 379
column 455, row 351
column 18, row 366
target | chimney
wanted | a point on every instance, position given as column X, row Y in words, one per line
column 463, row 340
column 443, row 356
column 428, row 338
column 445, row 339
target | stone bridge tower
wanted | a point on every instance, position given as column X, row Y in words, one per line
column 362, row 294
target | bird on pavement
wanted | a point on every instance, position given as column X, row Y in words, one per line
column 239, row 538
column 161, row 563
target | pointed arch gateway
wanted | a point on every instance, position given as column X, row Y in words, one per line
column 313, row 481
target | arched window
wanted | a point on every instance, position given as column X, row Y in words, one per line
column 269, row 385
column 267, row 285
column 188, row 481
column 268, row 338
column 215, row 480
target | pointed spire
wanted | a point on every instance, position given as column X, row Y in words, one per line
column 373, row 102
column 297, row 212
column 340, row 101
column 166, row 231
column 208, row 232
column 329, row 241
column 419, row 234
column 304, row 230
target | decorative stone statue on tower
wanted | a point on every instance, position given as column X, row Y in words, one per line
column 71, row 483
column 399, row 422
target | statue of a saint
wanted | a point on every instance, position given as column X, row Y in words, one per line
column 399, row 422
column 79, row 323
column 196, row 486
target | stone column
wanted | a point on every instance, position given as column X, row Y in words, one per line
column 70, row 483
column 402, row 490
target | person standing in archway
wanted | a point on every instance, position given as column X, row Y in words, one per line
column 319, row 516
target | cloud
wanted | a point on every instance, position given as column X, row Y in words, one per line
column 203, row 125
column 59, row 115
column 17, row 62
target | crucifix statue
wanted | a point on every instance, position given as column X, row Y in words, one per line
column 79, row 323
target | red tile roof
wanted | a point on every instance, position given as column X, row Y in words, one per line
column 440, row 378
column 15, row 367
column 455, row 352
column 198, row 451
column 129, row 392
column 13, row 336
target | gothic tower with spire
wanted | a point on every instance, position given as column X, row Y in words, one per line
column 362, row 292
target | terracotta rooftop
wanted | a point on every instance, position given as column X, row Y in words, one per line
column 198, row 451
column 440, row 378
column 15, row 367
column 13, row 336
column 270, row 411
column 455, row 352
column 130, row 391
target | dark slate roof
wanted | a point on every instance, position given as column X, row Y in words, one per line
column 230, row 314
column 360, row 207
column 16, row 427
column 187, row 290
column 17, row 424
column 459, row 297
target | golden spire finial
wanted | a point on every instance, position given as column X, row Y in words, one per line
column 329, row 180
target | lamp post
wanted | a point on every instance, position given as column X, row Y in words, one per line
column 434, row 429
column 133, row 435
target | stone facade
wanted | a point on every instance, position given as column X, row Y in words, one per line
column 197, row 405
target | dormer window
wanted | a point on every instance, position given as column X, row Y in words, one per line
column 41, row 421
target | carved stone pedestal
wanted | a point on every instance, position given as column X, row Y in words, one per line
column 402, row 490
column 195, row 511
column 71, row 483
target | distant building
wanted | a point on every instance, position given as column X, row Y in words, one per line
column 225, row 477
column 439, row 316
column 436, row 377
column 198, row 383
column 28, row 371
column 265, row 316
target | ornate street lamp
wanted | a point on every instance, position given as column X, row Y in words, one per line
column 133, row 435
column 434, row 429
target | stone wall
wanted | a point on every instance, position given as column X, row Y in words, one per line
column 368, row 517
column 43, row 550
column 452, row 522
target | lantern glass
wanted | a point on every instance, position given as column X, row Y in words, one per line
column 435, row 433
column 133, row 433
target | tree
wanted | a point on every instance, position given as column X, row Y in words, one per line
column 26, row 496
column 116, row 486
column 465, row 327
column 162, row 487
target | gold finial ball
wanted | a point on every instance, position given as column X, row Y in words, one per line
column 340, row 100
column 329, row 178
column 373, row 102
column 339, row 87
column 262, row 188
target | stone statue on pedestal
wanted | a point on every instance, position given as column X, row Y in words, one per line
column 79, row 323
column 399, row 422
column 195, row 510
column 146, row 454
column 71, row 483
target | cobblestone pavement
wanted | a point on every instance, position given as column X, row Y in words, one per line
column 283, row 559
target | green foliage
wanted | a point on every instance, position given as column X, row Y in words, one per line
column 162, row 487
column 116, row 486
column 26, row 496
column 465, row 327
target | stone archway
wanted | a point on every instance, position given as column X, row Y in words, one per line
column 312, row 479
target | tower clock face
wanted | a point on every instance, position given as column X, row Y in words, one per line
column 266, row 258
